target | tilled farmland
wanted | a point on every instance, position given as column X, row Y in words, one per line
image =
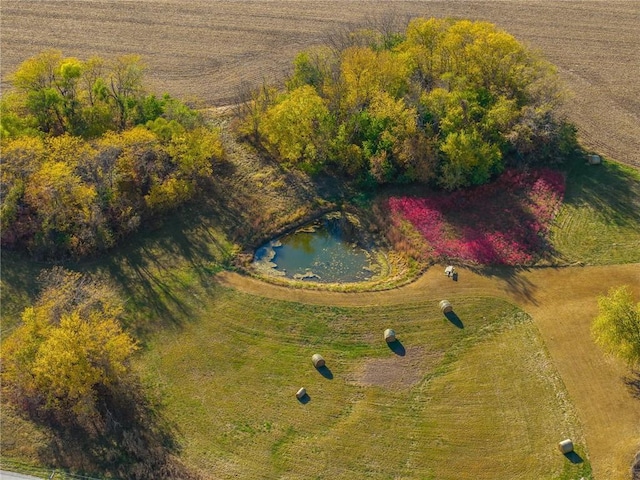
column 209, row 50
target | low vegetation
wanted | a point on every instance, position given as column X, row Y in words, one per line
column 505, row 222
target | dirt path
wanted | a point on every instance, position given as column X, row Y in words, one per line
column 562, row 302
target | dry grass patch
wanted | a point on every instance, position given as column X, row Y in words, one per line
column 402, row 370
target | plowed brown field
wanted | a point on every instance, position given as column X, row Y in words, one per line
column 207, row 48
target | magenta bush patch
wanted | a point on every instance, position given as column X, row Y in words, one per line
column 505, row 222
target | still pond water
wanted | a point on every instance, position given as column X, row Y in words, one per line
column 326, row 251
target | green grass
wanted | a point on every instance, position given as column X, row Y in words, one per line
column 484, row 400
column 599, row 222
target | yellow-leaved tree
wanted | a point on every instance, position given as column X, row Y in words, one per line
column 69, row 350
column 296, row 126
column 617, row 327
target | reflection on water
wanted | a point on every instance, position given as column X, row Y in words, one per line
column 326, row 251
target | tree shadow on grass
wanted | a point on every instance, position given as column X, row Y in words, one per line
column 606, row 188
column 167, row 272
column 130, row 438
column 160, row 270
column 516, row 285
column 397, row 347
column 19, row 288
column 454, row 319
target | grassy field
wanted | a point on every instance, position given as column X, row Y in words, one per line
column 228, row 364
column 599, row 222
column 480, row 392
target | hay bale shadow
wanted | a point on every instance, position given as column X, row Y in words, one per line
column 304, row 399
column 397, row 348
column 453, row 318
column 573, row 457
column 633, row 384
column 325, row 372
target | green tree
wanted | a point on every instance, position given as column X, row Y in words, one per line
column 15, row 118
column 617, row 327
column 36, row 79
column 469, row 160
column 124, row 87
column 449, row 102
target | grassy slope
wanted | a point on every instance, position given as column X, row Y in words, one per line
column 600, row 219
column 484, row 397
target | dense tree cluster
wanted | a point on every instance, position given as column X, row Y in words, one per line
column 88, row 155
column 68, row 367
column 447, row 102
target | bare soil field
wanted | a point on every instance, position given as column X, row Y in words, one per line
column 207, row 49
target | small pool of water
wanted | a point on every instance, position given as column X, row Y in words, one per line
column 328, row 250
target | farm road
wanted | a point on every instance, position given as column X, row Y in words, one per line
column 562, row 302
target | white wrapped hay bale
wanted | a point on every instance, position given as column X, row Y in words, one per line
column 389, row 335
column 594, row 159
column 566, row 446
column 318, row 361
column 301, row 393
column 445, row 306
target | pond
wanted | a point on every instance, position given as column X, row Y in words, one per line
column 328, row 250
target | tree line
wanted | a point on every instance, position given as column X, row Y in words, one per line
column 445, row 102
column 88, row 155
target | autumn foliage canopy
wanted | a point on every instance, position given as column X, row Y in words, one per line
column 446, row 102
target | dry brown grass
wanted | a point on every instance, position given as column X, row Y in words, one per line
column 207, row 49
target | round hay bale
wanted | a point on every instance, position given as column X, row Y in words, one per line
column 317, row 360
column 389, row 335
column 445, row 306
column 566, row 446
column 301, row 393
